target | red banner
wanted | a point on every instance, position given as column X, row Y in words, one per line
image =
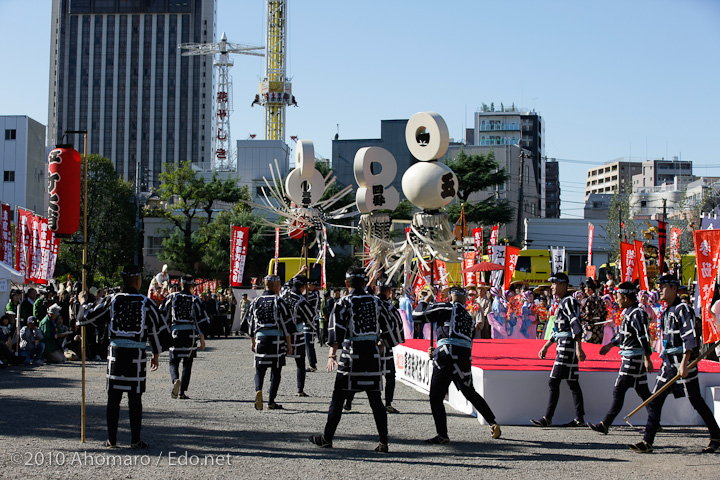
column 238, row 253
column 323, row 280
column 511, row 259
column 675, row 235
column 421, row 280
column 6, row 236
column 628, row 262
column 591, row 231
column 468, row 261
column 591, row 271
column 707, row 251
column 477, row 238
column 23, row 242
column 36, row 249
column 440, row 275
column 277, row 249
column 493, row 238
column 662, row 242
column 641, row 267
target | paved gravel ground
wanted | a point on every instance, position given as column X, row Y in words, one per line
column 218, row 433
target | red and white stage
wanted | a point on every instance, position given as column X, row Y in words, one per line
column 514, row 381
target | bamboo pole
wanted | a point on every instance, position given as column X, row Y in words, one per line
column 670, row 383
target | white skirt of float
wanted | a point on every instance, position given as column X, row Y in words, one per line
column 429, row 185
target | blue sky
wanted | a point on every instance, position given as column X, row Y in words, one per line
column 611, row 78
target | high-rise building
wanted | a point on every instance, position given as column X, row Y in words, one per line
column 552, row 189
column 655, row 173
column 613, row 176
column 23, row 161
column 515, row 126
column 116, row 71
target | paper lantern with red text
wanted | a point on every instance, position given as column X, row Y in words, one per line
column 64, row 167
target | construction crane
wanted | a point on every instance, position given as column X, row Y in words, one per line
column 222, row 147
column 275, row 89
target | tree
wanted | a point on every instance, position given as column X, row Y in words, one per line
column 112, row 233
column 619, row 212
column 187, row 195
column 476, row 173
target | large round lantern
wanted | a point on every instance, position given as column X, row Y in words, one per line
column 64, row 166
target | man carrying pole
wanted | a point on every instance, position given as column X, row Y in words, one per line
column 131, row 320
column 360, row 329
column 269, row 324
column 679, row 348
column 187, row 317
column 633, row 338
column 452, row 360
column 568, row 335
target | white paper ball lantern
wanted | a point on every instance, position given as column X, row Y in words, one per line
column 429, row 185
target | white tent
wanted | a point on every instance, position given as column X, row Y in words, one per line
column 8, row 275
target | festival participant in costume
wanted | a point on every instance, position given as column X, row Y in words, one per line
column 567, row 332
column 130, row 319
column 385, row 287
column 594, row 314
column 360, row 324
column 528, row 326
column 451, row 360
column 186, row 316
column 498, row 315
column 633, row 338
column 270, row 328
column 311, row 327
column 301, row 313
column 680, row 345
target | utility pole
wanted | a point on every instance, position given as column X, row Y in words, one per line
column 518, row 233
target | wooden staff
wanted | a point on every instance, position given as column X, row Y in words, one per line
column 670, row 383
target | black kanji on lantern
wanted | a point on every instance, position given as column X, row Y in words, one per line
column 378, row 197
column 448, row 186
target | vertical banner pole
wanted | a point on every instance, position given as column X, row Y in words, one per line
column 84, row 285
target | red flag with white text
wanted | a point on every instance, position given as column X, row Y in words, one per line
column 641, row 267
column 468, row 261
column 477, row 238
column 6, row 255
column 707, row 251
column 238, row 254
column 591, row 231
column 662, row 242
column 493, row 238
column 628, row 262
column 511, row 259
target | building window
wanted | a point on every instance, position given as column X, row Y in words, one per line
column 10, row 134
column 576, row 264
column 643, row 203
column 9, row 175
column 154, row 245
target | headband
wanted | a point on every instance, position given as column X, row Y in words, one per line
column 272, row 278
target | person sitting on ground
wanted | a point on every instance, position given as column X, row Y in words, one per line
column 48, row 326
column 31, row 342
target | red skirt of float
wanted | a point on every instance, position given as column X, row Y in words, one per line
column 514, row 382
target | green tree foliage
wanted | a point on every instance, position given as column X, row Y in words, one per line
column 112, row 235
column 619, row 212
column 191, row 200
column 476, row 173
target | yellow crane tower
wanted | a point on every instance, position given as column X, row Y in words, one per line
column 275, row 89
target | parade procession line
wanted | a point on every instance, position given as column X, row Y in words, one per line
column 514, row 382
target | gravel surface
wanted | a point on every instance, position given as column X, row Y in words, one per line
column 218, row 433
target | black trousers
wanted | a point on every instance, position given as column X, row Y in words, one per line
column 335, row 413
column 300, row 363
column 696, row 400
column 310, row 349
column 624, row 384
column 113, row 414
column 186, row 371
column 439, row 384
column 577, row 394
column 275, row 376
